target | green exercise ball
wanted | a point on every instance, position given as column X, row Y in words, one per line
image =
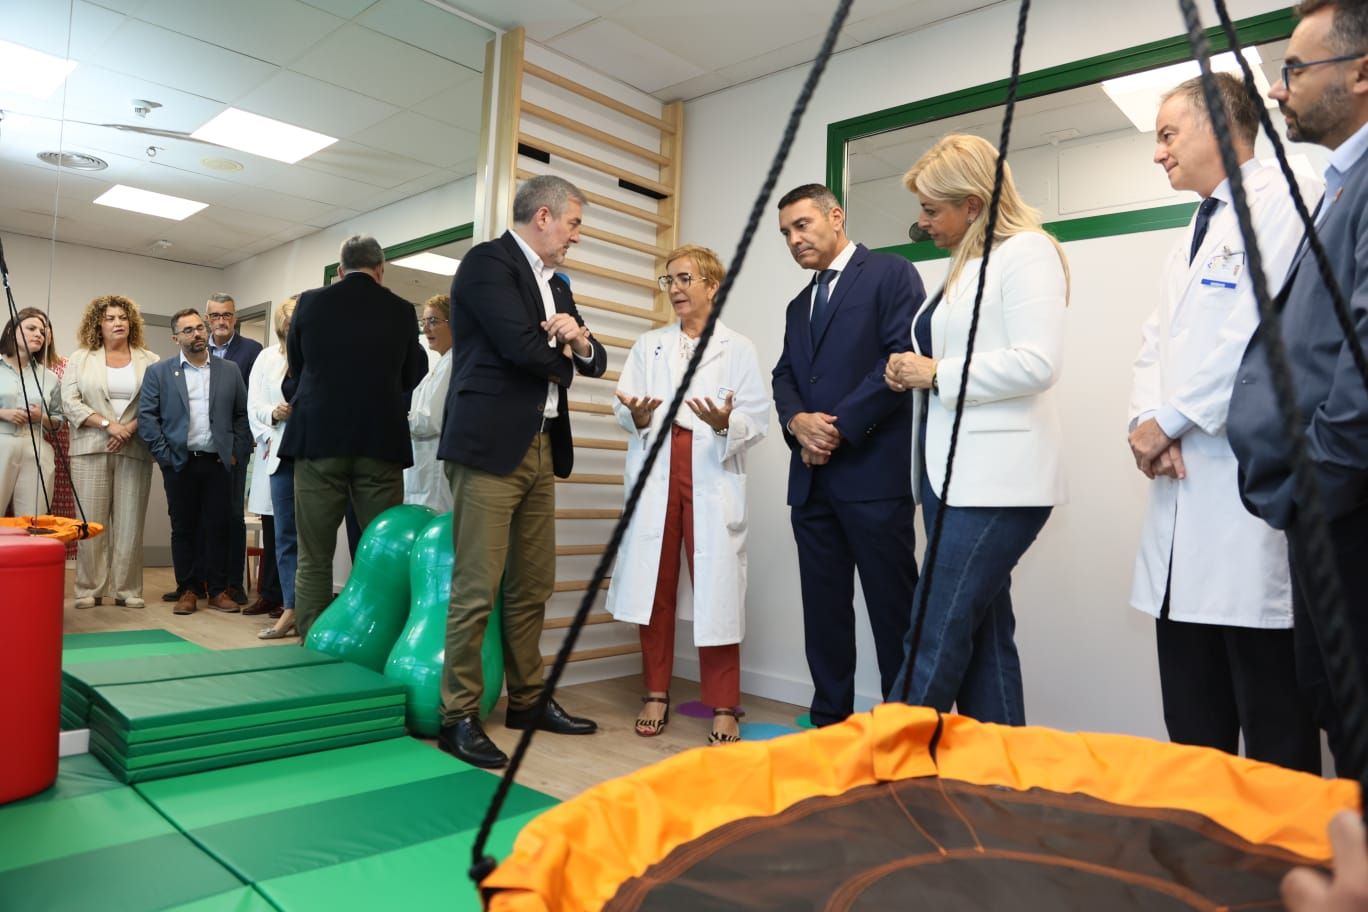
column 364, row 620
column 416, row 660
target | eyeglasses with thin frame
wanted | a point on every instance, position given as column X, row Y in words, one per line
column 190, row 331
column 684, row 280
column 221, row 316
column 425, row 322
column 1289, row 68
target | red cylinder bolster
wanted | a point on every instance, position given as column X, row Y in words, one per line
column 32, row 579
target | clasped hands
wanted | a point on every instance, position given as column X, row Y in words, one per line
column 908, row 371
column 1156, row 453
column 817, row 434
column 562, row 329
column 119, row 435
column 715, row 416
column 32, row 415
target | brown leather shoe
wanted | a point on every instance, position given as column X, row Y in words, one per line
column 223, row 602
column 260, row 606
column 186, row 604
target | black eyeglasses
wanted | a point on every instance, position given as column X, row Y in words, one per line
column 1288, row 68
column 190, row 330
column 684, row 280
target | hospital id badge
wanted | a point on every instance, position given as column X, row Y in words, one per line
column 1223, row 270
column 723, row 392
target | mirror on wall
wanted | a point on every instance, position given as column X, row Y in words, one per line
column 1078, row 153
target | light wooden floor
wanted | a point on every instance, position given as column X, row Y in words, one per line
column 558, row 765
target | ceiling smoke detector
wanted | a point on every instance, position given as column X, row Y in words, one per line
column 142, row 107
column 75, row 161
column 159, row 245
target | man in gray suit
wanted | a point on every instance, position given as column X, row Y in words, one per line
column 1324, row 98
column 193, row 417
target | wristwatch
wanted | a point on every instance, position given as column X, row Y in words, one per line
column 935, row 381
column 104, row 423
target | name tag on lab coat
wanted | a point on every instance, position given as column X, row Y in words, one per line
column 1223, row 270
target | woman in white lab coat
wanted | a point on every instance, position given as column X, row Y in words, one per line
column 694, row 496
column 424, row 482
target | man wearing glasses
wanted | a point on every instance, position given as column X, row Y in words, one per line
column 1323, row 96
column 193, row 417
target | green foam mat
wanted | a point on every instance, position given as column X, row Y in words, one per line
column 74, row 641
column 134, row 651
column 240, row 736
column 90, row 843
column 116, row 729
column 159, row 704
column 381, row 826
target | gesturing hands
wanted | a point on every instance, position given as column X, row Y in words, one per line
column 717, row 417
column 641, row 407
column 562, row 329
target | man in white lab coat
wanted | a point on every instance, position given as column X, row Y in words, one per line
column 1215, row 577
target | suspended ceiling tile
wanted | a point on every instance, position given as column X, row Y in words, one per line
column 693, row 88
column 751, row 28
column 543, row 19
column 604, row 7
column 240, row 26
column 798, row 54
column 363, row 163
column 314, row 105
column 126, row 7
column 423, row 25
column 290, row 207
column 172, row 59
column 614, row 51
column 902, row 17
column 459, row 106
column 318, row 186
column 377, row 65
column 347, row 9
column 422, row 138
column 331, row 216
column 54, row 28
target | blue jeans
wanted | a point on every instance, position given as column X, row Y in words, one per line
column 967, row 656
column 286, row 548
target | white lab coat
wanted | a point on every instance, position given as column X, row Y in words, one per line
column 424, row 481
column 263, row 395
column 719, row 481
column 1228, row 567
column 1011, row 446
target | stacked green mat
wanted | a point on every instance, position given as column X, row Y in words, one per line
column 387, row 825
column 169, row 726
column 80, row 649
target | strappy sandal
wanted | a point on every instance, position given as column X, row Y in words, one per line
column 717, row 737
column 649, row 728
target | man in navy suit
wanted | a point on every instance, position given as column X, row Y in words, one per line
column 505, row 434
column 850, row 485
column 1324, row 100
column 192, row 415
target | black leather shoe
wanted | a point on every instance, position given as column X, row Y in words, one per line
column 236, row 594
column 466, row 740
column 557, row 721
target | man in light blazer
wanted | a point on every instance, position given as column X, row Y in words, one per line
column 1324, row 99
column 193, row 417
column 1214, row 577
column 850, row 476
column 506, row 433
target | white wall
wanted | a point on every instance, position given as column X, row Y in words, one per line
column 1088, row 658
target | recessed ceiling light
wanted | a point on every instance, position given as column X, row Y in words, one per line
column 76, row 161
column 221, row 164
column 430, row 262
column 29, row 72
column 236, row 129
column 1138, row 95
column 121, row 196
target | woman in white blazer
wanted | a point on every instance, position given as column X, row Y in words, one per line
column 424, row 481
column 268, row 407
column 30, row 410
column 694, row 496
column 1008, row 472
column 111, row 468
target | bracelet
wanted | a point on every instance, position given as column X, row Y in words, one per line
column 723, row 432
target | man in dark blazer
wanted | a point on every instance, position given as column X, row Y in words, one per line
column 850, row 485
column 354, row 347
column 1325, row 101
column 192, row 415
column 519, row 342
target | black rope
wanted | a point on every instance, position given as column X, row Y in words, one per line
column 989, row 236
column 483, row 865
column 1331, row 609
column 1316, row 248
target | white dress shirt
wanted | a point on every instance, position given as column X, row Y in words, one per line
column 839, row 264
column 198, row 438
column 543, row 273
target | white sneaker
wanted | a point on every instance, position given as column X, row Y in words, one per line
column 85, row 601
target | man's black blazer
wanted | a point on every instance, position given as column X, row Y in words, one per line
column 501, row 363
column 354, row 347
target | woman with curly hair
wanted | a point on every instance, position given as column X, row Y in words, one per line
column 30, row 408
column 111, row 468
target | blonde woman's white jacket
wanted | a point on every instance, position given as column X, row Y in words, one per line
column 263, row 395
column 1011, row 447
column 719, row 481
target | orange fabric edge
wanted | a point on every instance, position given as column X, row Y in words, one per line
column 64, row 528
column 576, row 855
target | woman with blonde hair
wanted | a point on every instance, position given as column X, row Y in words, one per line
column 1008, row 472
column 268, row 408
column 111, row 468
column 424, row 481
column 694, row 496
column 30, row 408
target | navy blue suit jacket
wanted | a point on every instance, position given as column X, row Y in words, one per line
column 501, row 363
column 1327, row 386
column 243, row 352
column 842, row 374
